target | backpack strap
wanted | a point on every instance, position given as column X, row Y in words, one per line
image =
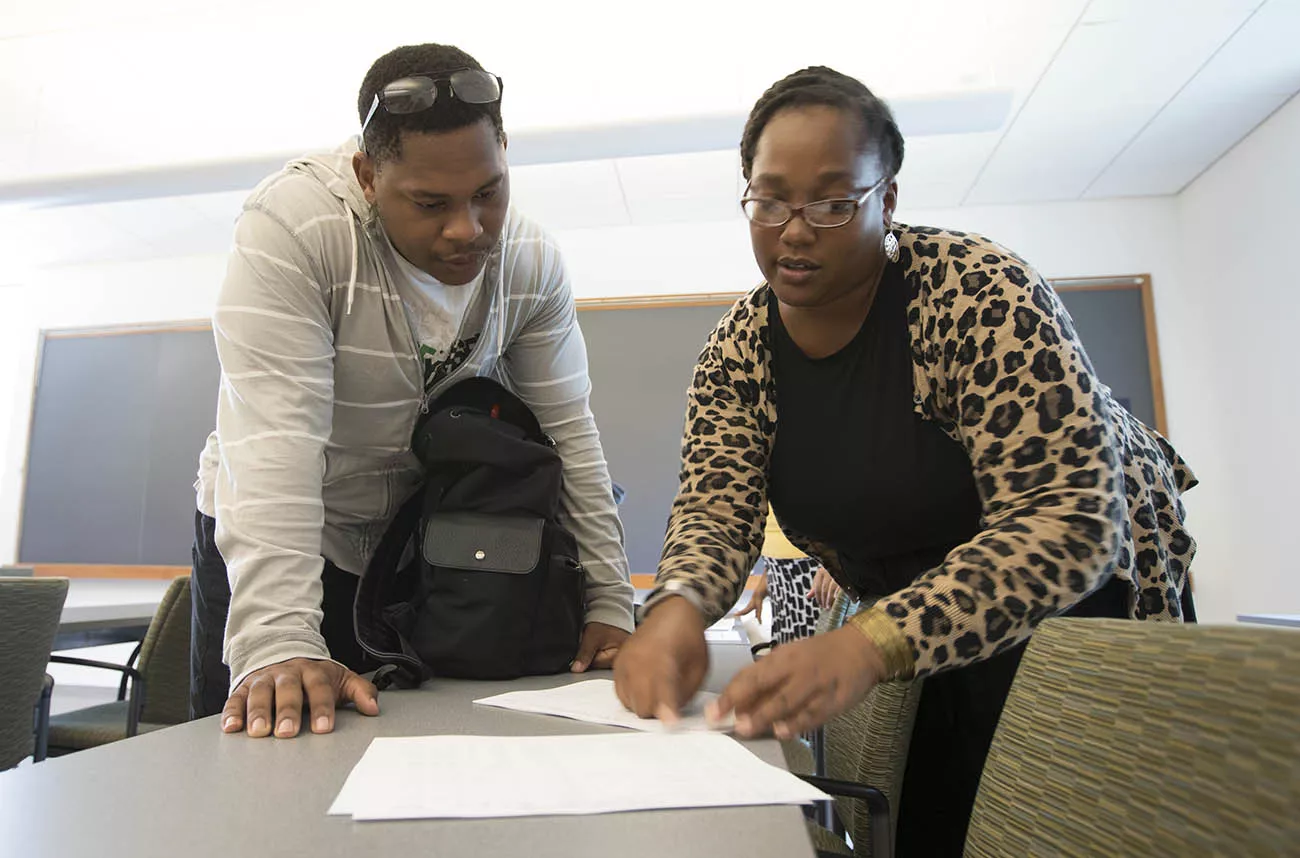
column 377, row 637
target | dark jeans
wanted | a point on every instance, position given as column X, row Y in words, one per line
column 210, row 592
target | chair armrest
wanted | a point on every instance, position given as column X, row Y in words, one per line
column 105, row 665
column 882, row 829
column 136, row 703
column 130, row 662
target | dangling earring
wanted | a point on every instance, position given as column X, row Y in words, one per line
column 891, row 245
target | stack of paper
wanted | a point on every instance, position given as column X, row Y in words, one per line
column 497, row 776
column 595, row 701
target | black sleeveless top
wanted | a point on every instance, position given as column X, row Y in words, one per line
column 854, row 466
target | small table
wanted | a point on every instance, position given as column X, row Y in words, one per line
column 208, row 795
column 107, row 610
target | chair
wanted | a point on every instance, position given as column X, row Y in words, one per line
column 30, row 609
column 1124, row 738
column 860, row 757
column 158, row 685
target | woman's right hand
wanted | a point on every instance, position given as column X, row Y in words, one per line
column 661, row 666
column 756, row 600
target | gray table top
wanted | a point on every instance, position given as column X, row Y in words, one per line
column 191, row 790
column 100, row 603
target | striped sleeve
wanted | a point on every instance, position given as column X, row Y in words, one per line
column 547, row 367
column 274, row 415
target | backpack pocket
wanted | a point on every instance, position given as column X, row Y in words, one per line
column 557, row 623
column 482, row 580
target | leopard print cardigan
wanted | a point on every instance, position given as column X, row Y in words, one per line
column 1073, row 487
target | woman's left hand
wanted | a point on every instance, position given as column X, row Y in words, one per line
column 800, row 686
column 824, row 589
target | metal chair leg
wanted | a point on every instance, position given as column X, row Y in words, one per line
column 41, row 719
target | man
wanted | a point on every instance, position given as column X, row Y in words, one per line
column 362, row 283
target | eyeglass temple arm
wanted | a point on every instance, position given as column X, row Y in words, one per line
column 374, row 105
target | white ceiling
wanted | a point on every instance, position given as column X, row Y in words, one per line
column 123, row 101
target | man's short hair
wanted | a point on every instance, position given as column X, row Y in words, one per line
column 383, row 136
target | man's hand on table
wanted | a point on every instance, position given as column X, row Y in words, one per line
column 600, row 644
column 282, row 689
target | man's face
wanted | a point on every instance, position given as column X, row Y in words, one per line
column 443, row 200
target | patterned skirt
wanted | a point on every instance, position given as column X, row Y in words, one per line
column 794, row 611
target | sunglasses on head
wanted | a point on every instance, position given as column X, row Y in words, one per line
column 419, row 92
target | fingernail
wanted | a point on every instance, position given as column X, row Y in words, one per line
column 711, row 710
column 322, row 724
column 230, row 721
column 286, row 727
column 257, row 726
column 744, row 724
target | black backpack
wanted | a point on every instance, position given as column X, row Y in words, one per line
column 475, row 578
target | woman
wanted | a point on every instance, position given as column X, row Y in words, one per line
column 797, row 586
column 944, row 445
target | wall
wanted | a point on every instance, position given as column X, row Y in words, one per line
column 1241, row 301
column 82, row 296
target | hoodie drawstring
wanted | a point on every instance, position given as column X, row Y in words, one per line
column 501, row 306
column 352, row 277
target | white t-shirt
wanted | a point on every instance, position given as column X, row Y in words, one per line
column 437, row 314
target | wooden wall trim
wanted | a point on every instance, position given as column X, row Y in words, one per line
column 1141, row 282
column 1153, row 357
column 180, row 326
column 636, row 302
column 628, row 302
column 97, row 570
column 1085, row 284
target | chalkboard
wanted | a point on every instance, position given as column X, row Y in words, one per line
column 120, row 417
column 118, row 422
column 1112, row 323
column 641, row 364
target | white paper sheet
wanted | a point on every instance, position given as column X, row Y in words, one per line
column 595, row 701
column 725, row 630
column 426, row 777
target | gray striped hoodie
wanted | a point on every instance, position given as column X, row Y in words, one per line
column 321, row 387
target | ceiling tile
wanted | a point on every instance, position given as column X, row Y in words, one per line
column 1110, row 77
column 677, row 188
column 569, row 196
column 1179, row 145
column 937, row 171
column 67, row 236
column 1241, row 85
column 222, row 208
column 77, row 108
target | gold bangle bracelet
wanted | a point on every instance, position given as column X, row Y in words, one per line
column 892, row 643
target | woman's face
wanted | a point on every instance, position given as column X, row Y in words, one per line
column 809, row 153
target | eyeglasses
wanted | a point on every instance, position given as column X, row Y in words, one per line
column 419, row 92
column 822, row 214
